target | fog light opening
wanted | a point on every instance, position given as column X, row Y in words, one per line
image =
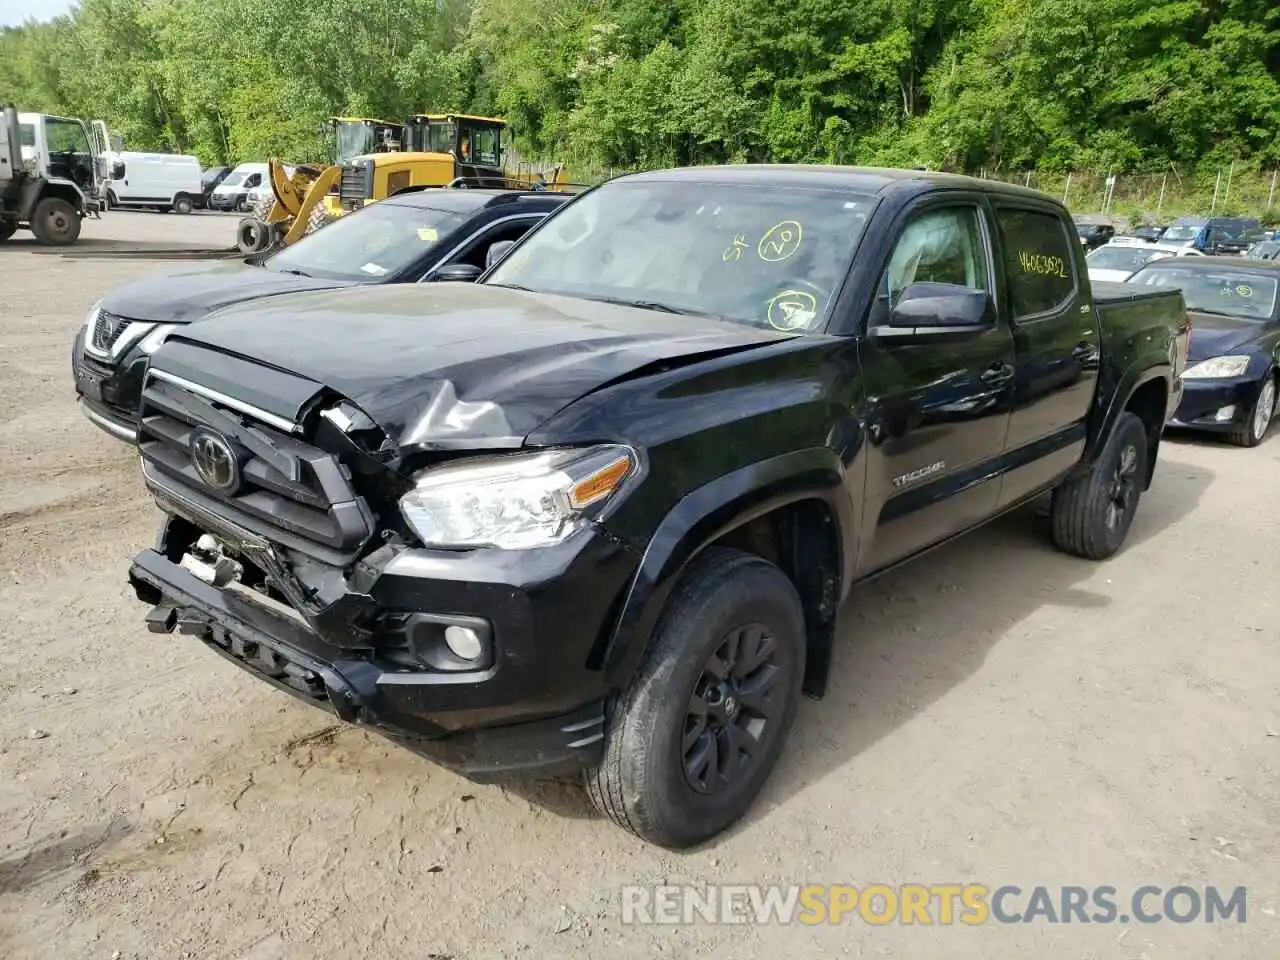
column 1225, row 413
column 464, row 642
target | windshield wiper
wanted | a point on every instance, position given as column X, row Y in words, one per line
column 510, row 286
column 294, row 271
column 648, row 305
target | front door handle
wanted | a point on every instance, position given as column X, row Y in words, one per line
column 997, row 373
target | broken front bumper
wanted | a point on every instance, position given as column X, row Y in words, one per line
column 538, row 710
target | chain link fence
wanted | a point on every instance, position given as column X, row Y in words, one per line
column 1159, row 197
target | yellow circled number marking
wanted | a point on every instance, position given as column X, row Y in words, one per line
column 1244, row 290
column 792, row 310
column 780, row 242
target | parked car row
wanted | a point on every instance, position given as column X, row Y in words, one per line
column 595, row 510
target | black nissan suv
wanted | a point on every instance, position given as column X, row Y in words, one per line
column 430, row 235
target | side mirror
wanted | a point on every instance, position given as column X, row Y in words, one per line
column 930, row 311
column 497, row 251
column 457, row 273
column 117, row 171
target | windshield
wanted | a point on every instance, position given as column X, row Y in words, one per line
column 1182, row 231
column 1122, row 257
column 378, row 240
column 235, row 178
column 743, row 252
column 1229, row 293
column 66, row 136
column 352, row 140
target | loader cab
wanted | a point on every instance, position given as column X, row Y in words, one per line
column 50, row 176
column 475, row 143
column 351, row 137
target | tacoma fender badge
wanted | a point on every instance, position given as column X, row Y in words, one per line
column 920, row 474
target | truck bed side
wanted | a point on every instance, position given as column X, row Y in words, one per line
column 1145, row 334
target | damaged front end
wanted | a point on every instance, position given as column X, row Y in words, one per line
column 292, row 547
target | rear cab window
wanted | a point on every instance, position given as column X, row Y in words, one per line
column 1038, row 257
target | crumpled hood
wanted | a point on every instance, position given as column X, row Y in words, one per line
column 1213, row 335
column 445, row 365
column 192, row 293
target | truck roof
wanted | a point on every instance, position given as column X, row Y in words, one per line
column 871, row 180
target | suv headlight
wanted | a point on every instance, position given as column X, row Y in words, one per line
column 1217, row 368
column 515, row 502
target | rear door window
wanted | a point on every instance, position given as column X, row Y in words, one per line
column 1038, row 264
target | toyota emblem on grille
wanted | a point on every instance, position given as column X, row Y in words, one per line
column 215, row 462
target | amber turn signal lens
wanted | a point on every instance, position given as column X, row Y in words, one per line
column 600, row 484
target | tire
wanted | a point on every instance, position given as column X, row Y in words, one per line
column 252, row 236
column 1092, row 513
column 183, row 204
column 112, row 202
column 55, row 222
column 319, row 217
column 7, row 229
column 1254, row 429
column 262, row 208
column 641, row 783
column 242, row 205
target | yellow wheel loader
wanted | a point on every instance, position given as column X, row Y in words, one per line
column 428, row 150
column 440, row 150
column 304, row 198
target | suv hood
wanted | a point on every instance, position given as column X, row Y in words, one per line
column 190, row 294
column 1213, row 335
column 442, row 365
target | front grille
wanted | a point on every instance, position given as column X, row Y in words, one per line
column 356, row 181
column 107, row 329
column 289, row 491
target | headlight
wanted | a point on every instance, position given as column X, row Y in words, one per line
column 151, row 342
column 90, row 321
column 515, row 502
column 1217, row 368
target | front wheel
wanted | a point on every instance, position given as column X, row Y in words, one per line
column 1092, row 512
column 182, row 204
column 1256, row 424
column 698, row 732
column 55, row 222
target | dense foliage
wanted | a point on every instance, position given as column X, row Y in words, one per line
column 999, row 85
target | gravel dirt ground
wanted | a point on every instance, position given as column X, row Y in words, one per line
column 1000, row 714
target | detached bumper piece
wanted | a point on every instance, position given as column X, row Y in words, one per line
column 283, row 651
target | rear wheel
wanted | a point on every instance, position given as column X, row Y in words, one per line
column 182, row 204
column 1092, row 513
column 1254, row 429
column 697, row 734
column 7, row 229
column 55, row 222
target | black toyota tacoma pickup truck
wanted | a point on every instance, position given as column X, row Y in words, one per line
column 409, row 238
column 598, row 511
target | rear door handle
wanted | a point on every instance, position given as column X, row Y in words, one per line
column 997, row 373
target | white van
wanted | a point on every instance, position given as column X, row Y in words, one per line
column 233, row 192
column 162, row 181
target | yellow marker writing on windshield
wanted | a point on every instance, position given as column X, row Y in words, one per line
column 1244, row 290
column 428, row 233
column 734, row 250
column 792, row 310
column 780, row 242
